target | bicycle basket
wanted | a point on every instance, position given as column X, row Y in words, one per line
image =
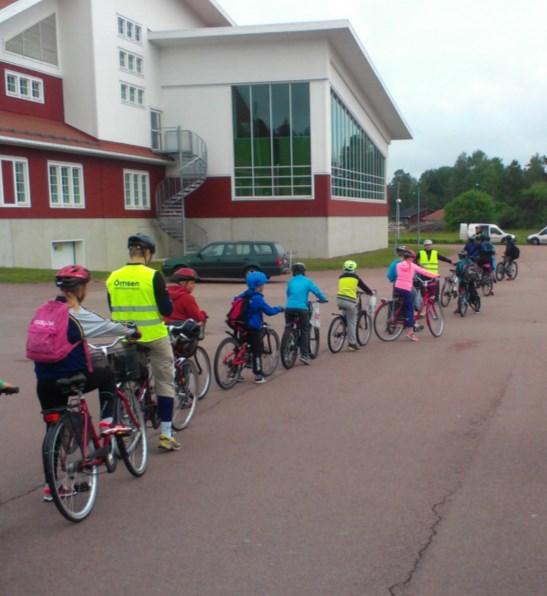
column 472, row 273
column 184, row 347
column 123, row 359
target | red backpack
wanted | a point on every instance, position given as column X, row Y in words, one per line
column 47, row 339
column 237, row 315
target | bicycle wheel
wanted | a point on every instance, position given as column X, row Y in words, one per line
column 226, row 372
column 513, row 270
column 487, row 285
column 133, row 448
column 434, row 317
column 462, row 304
column 314, row 342
column 73, row 485
column 364, row 328
column 186, row 383
column 387, row 325
column 336, row 337
column 270, row 354
column 446, row 292
column 289, row 348
column 203, row 368
column 500, row 271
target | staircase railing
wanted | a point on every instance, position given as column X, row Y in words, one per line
column 189, row 173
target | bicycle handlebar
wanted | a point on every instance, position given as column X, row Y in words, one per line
column 105, row 347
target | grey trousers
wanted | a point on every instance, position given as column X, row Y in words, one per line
column 349, row 310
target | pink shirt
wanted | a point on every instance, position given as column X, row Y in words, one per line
column 405, row 274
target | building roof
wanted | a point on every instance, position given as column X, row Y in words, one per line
column 208, row 10
column 340, row 35
column 435, row 216
column 40, row 133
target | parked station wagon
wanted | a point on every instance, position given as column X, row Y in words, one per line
column 233, row 259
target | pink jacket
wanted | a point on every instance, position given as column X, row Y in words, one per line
column 405, row 274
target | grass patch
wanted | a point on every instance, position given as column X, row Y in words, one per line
column 370, row 260
column 23, row 275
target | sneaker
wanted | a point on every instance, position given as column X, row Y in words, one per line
column 412, row 336
column 259, row 380
column 168, row 443
column 305, row 360
column 109, row 428
column 418, row 328
column 353, row 347
column 47, row 497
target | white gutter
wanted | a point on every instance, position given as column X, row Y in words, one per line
column 82, row 150
column 15, row 8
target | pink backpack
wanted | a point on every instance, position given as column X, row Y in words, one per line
column 47, row 340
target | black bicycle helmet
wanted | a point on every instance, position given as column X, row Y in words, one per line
column 298, row 268
column 142, row 241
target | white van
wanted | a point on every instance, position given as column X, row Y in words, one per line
column 492, row 230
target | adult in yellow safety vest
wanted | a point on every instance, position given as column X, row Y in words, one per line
column 137, row 293
column 429, row 258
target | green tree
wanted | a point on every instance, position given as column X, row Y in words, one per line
column 470, row 206
column 402, row 185
column 532, row 205
column 536, row 170
column 434, row 187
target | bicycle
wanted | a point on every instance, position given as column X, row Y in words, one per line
column 507, row 267
column 290, row 341
column 190, row 348
column 73, row 448
column 337, row 334
column 233, row 354
column 389, row 316
column 450, row 288
column 464, row 299
column 485, row 282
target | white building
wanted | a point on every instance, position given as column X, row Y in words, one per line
column 174, row 121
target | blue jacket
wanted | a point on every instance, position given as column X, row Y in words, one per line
column 256, row 307
column 298, row 289
column 472, row 248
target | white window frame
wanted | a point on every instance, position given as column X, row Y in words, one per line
column 134, row 91
column 129, row 30
column 19, row 77
column 136, row 201
column 71, row 204
column 21, row 160
column 123, row 62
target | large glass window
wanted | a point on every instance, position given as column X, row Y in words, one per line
column 358, row 166
column 272, row 142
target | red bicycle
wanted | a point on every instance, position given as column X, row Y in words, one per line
column 389, row 316
column 233, row 354
column 73, row 449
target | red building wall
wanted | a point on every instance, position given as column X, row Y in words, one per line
column 214, row 199
column 53, row 106
column 103, row 186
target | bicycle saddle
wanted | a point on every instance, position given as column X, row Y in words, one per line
column 72, row 385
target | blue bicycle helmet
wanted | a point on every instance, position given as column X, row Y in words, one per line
column 255, row 279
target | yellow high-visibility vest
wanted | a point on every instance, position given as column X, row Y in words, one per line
column 132, row 299
column 430, row 263
column 347, row 287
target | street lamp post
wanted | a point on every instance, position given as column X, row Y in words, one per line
column 397, row 219
column 419, row 219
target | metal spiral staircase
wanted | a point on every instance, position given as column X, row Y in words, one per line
column 188, row 173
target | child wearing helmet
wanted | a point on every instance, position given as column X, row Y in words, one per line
column 467, row 272
column 346, row 298
column 298, row 289
column 72, row 281
column 185, row 306
column 406, row 270
column 256, row 308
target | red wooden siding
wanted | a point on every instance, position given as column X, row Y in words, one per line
column 52, row 108
column 103, row 186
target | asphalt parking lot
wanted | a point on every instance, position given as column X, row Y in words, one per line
column 403, row 469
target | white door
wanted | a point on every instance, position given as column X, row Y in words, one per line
column 62, row 254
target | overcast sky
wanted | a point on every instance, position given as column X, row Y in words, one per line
column 464, row 75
